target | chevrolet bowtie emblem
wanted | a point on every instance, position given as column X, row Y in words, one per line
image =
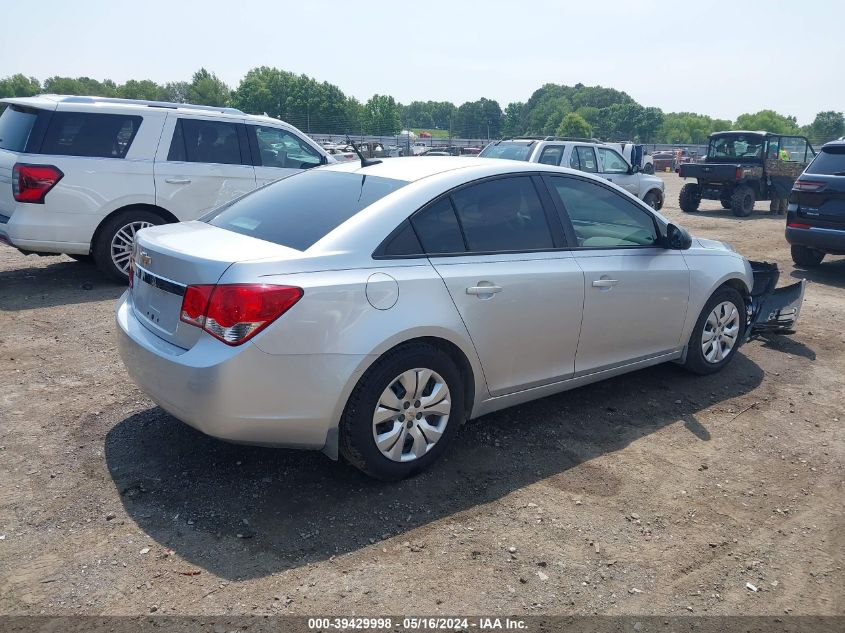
column 146, row 260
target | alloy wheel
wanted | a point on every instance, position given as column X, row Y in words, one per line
column 122, row 243
column 411, row 415
column 720, row 333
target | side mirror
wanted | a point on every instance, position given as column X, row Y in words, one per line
column 677, row 238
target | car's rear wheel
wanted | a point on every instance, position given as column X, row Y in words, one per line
column 742, row 201
column 648, row 168
column 690, row 198
column 403, row 413
column 804, row 256
column 718, row 333
column 116, row 239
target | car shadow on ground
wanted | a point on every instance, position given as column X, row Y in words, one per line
column 829, row 272
column 759, row 213
column 64, row 282
column 244, row 512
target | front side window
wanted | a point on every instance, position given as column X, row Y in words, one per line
column 587, row 159
column 612, row 161
column 201, row 141
column 90, row 134
column 301, row 209
column 502, row 215
column 280, row 148
column 603, row 218
column 551, row 155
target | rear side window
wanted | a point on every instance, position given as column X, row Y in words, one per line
column 438, row 228
column 200, row 141
column 90, row 134
column 512, row 151
column 584, row 159
column 299, row 210
column 551, row 155
column 15, row 127
column 502, row 215
column 829, row 162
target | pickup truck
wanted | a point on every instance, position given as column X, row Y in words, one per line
column 743, row 167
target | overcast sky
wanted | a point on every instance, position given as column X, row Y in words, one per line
column 717, row 58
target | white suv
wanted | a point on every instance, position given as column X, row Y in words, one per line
column 81, row 175
column 587, row 155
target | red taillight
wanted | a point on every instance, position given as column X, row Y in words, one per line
column 738, row 174
column 234, row 313
column 195, row 304
column 30, row 183
column 808, row 185
column 798, row 225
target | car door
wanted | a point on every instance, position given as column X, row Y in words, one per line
column 636, row 291
column 203, row 164
column 277, row 152
column 517, row 288
column 615, row 169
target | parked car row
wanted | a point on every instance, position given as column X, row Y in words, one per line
column 368, row 308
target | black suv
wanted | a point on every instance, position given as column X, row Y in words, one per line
column 815, row 221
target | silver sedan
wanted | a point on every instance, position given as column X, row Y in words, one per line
column 369, row 309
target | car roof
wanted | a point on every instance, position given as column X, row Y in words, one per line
column 51, row 101
column 836, row 143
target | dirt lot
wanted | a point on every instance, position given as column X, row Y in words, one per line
column 654, row 493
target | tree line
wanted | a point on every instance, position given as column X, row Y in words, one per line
column 321, row 107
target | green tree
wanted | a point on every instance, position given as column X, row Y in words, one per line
column 512, row 119
column 827, row 126
column 206, row 88
column 175, row 91
column 767, row 120
column 573, row 124
column 19, row 86
column 688, row 128
column 144, row 89
column 80, row 86
column 381, row 116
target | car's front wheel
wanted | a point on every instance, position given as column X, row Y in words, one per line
column 648, row 168
column 804, row 256
column 403, row 413
column 718, row 333
column 116, row 239
column 742, row 201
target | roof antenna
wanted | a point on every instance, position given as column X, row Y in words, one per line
column 365, row 162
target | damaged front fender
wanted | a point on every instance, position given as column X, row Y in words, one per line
column 770, row 309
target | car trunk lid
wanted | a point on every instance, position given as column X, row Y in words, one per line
column 171, row 257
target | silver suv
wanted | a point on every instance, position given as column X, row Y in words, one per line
column 583, row 154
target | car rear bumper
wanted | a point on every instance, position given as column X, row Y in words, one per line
column 821, row 239
column 32, row 228
column 240, row 394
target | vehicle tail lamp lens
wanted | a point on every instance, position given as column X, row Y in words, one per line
column 31, row 183
column 797, row 225
column 808, row 185
column 234, row 313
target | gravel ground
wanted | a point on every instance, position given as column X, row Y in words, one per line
column 653, row 493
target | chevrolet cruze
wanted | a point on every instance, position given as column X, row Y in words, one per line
column 367, row 309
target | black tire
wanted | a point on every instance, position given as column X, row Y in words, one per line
column 654, row 200
column 103, row 246
column 742, row 201
column 725, row 202
column 807, row 257
column 690, row 198
column 695, row 361
column 85, row 259
column 357, row 443
column 648, row 168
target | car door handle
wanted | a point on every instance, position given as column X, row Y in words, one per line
column 605, row 283
column 483, row 290
column 178, row 181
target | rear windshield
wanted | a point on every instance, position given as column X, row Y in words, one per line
column 299, row 210
column 830, row 161
column 15, row 126
column 512, row 151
